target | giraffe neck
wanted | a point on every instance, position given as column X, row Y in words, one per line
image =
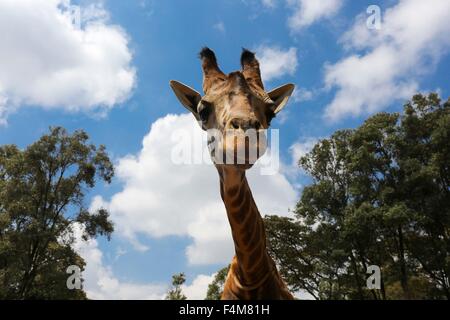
column 253, row 262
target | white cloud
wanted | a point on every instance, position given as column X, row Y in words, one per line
column 47, row 60
column 3, row 110
column 220, row 26
column 302, row 94
column 301, row 148
column 276, row 62
column 412, row 39
column 162, row 198
column 307, row 12
column 198, row 288
column 101, row 283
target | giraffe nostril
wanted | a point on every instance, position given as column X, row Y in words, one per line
column 244, row 124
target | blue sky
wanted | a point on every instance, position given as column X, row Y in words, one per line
column 343, row 72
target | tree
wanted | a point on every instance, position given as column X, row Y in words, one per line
column 215, row 288
column 380, row 196
column 42, row 191
column 176, row 293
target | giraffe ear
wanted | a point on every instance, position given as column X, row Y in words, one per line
column 280, row 97
column 188, row 97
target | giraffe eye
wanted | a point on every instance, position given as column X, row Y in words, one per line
column 204, row 110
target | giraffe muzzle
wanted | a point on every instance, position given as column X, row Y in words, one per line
column 238, row 147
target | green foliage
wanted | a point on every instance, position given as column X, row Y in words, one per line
column 215, row 288
column 42, row 191
column 380, row 196
column 176, row 293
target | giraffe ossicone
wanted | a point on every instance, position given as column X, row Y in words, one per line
column 235, row 110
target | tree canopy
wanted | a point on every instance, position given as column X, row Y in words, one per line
column 176, row 292
column 380, row 195
column 215, row 288
column 42, row 191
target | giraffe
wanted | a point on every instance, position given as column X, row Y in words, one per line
column 233, row 105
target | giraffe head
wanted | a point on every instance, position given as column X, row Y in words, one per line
column 235, row 110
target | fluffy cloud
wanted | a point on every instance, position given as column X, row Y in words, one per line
column 99, row 280
column 412, row 39
column 276, row 62
column 297, row 150
column 165, row 195
column 3, row 109
column 56, row 55
column 306, row 12
column 198, row 288
column 100, row 283
column 302, row 94
column 301, row 148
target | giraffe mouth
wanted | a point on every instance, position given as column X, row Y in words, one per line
column 237, row 148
